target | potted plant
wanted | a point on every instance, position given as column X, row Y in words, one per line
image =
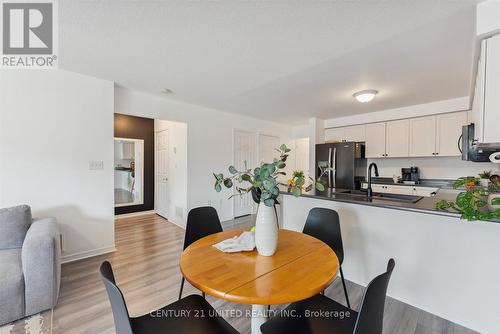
column 263, row 182
column 485, row 178
column 297, row 183
column 494, row 193
column 473, row 203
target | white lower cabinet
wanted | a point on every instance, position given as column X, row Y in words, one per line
column 423, row 191
column 402, row 189
column 391, row 189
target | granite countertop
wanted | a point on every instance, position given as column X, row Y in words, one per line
column 424, row 205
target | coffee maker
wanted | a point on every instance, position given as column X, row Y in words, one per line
column 410, row 174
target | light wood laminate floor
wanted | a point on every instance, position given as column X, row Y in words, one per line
column 146, row 266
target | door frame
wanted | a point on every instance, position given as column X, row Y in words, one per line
column 157, row 172
column 139, row 142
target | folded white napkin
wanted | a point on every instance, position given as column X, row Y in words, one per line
column 244, row 242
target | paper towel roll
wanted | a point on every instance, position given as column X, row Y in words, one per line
column 495, row 157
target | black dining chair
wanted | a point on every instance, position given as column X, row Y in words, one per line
column 324, row 224
column 320, row 314
column 201, row 222
column 191, row 314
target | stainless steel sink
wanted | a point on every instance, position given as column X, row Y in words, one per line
column 383, row 196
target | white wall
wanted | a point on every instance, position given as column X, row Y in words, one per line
column 443, row 265
column 210, row 137
column 177, row 169
column 52, row 124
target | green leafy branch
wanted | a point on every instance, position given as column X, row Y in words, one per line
column 298, row 180
column 263, row 177
column 471, row 204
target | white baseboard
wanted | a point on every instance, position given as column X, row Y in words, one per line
column 87, row 254
column 135, row 214
column 226, row 218
column 175, row 223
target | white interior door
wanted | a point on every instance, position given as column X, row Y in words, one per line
column 267, row 146
column 244, row 150
column 161, row 170
column 302, row 155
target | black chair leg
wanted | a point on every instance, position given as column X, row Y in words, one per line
column 182, row 287
column 345, row 288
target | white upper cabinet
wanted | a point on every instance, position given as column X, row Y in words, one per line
column 375, row 140
column 423, row 136
column 426, row 136
column 396, row 138
column 345, row 133
column 448, row 132
column 491, row 125
column 334, row 134
column 355, row 133
column 485, row 112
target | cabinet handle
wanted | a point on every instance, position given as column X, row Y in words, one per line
column 433, row 153
column 437, row 153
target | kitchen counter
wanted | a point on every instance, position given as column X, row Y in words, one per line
column 425, row 205
column 437, row 254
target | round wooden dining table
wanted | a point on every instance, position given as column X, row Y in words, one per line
column 302, row 267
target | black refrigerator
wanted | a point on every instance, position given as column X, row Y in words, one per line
column 346, row 161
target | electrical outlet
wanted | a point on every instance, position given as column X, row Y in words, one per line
column 96, row 165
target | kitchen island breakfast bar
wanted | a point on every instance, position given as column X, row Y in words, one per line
column 438, row 254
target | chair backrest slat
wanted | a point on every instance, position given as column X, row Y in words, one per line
column 371, row 314
column 120, row 311
column 324, row 224
column 201, row 222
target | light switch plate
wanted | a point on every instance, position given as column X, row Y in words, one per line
column 96, row 165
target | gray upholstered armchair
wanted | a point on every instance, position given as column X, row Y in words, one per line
column 30, row 263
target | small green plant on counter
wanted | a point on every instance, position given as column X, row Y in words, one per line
column 264, row 178
column 471, row 203
column 298, row 180
column 485, row 174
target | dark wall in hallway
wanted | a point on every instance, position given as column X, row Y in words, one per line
column 139, row 128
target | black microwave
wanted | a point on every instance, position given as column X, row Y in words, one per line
column 473, row 151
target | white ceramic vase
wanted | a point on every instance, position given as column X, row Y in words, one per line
column 266, row 230
column 484, row 183
column 491, row 196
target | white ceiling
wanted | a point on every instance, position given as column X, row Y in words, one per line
column 277, row 60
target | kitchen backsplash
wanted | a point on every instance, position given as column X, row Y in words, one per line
column 434, row 168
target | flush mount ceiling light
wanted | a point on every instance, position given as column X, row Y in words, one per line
column 365, row 95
